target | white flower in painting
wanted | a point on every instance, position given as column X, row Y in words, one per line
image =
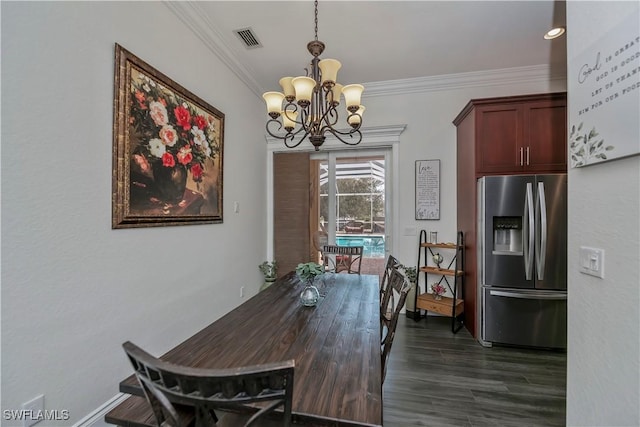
column 198, row 136
column 158, row 113
column 212, row 123
column 200, row 139
column 156, row 147
column 152, row 83
column 146, row 87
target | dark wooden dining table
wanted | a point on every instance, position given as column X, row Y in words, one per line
column 335, row 346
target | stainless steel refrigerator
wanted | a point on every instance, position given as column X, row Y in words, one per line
column 522, row 260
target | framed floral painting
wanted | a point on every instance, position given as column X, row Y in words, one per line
column 167, row 150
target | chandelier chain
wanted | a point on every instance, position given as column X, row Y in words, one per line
column 316, row 16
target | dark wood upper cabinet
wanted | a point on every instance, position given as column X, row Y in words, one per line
column 503, row 136
column 518, row 135
column 546, row 135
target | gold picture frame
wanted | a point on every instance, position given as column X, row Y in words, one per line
column 167, row 150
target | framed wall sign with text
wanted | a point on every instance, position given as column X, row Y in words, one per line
column 427, row 189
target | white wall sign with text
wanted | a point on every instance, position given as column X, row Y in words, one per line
column 428, row 189
column 604, row 97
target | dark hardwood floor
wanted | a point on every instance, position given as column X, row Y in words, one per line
column 436, row 378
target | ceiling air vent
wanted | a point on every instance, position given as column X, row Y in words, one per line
column 248, row 38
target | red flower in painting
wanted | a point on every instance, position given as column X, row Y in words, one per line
column 184, row 155
column 183, row 117
column 196, row 171
column 201, row 122
column 140, row 97
column 168, row 160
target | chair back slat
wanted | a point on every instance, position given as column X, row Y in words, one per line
column 397, row 285
column 342, row 258
column 392, row 263
column 166, row 384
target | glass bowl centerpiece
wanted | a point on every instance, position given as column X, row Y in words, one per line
column 307, row 272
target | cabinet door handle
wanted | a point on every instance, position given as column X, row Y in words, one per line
column 520, row 156
column 527, row 156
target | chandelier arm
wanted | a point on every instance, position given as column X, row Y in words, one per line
column 297, row 143
column 329, row 126
column 289, row 135
column 330, row 117
column 302, row 128
column 337, row 134
column 329, row 113
column 279, row 127
column 302, row 116
column 336, row 131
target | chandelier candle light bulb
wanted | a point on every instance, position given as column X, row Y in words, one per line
column 288, row 89
column 352, row 94
column 336, row 93
column 304, row 87
column 355, row 118
column 329, row 69
column 274, row 103
column 289, row 119
column 309, row 103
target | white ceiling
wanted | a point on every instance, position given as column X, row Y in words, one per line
column 379, row 41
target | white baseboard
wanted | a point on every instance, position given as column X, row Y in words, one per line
column 96, row 418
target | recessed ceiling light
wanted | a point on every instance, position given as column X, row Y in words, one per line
column 554, row 33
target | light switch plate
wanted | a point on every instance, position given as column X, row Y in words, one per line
column 410, row 231
column 592, row 261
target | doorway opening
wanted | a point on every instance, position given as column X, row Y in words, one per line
column 349, row 204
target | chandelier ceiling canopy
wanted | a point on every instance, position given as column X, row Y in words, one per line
column 308, row 105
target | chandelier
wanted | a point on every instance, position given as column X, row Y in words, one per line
column 311, row 102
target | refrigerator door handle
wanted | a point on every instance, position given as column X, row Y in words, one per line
column 541, row 243
column 528, row 232
column 560, row 296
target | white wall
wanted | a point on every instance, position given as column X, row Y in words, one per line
column 73, row 289
column 603, row 385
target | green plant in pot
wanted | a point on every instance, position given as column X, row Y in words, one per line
column 270, row 271
column 411, row 275
column 307, row 272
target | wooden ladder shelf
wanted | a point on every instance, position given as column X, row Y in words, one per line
column 452, row 306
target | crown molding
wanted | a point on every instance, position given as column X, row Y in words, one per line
column 529, row 74
column 192, row 15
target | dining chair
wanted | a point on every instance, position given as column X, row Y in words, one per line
column 392, row 263
column 397, row 285
column 320, row 238
column 342, row 258
column 243, row 396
